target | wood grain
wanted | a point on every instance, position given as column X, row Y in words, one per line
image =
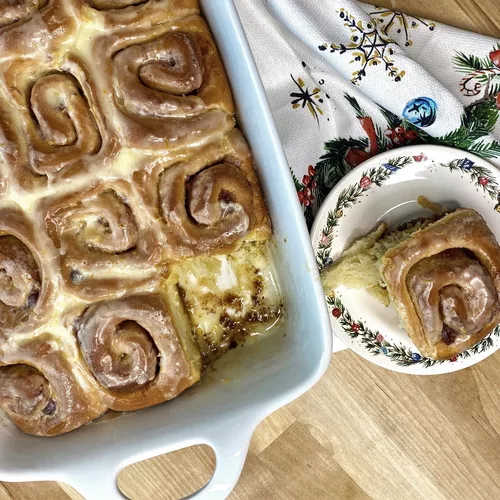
column 361, row 432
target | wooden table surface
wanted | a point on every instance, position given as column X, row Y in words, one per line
column 362, row 431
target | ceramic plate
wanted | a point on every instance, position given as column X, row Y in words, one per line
column 386, row 188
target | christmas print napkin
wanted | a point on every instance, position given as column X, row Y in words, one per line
column 348, row 80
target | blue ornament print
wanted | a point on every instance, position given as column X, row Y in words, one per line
column 467, row 164
column 421, row 111
column 391, row 168
column 415, row 357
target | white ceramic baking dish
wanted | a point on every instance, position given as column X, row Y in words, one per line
column 250, row 383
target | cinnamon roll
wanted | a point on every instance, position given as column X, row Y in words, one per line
column 41, row 388
column 168, row 86
column 121, row 177
column 31, row 27
column 139, row 350
column 442, row 275
column 210, row 202
column 26, row 285
column 106, row 242
column 445, row 282
column 61, row 124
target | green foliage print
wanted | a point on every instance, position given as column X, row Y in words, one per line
column 376, row 343
column 342, row 154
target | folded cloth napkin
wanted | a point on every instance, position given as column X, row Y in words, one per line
column 348, row 80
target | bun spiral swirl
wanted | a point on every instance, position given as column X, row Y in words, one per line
column 26, row 289
column 41, row 390
column 61, row 130
column 138, row 351
column 211, row 202
column 207, row 211
column 169, row 86
column 445, row 281
column 159, row 78
column 99, row 234
column 65, row 127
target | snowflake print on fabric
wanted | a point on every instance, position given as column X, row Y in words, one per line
column 305, row 98
column 387, row 20
column 367, row 48
column 421, row 111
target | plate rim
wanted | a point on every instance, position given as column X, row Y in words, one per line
column 412, row 150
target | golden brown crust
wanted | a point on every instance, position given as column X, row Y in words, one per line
column 144, row 71
column 137, row 351
column 41, row 389
column 208, row 202
column 419, row 261
column 122, row 14
column 35, row 27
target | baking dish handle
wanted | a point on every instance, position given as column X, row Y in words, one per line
column 231, row 449
column 98, row 483
column 229, row 443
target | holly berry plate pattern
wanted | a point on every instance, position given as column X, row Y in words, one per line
column 386, row 188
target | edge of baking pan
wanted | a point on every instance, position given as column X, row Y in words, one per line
column 226, row 27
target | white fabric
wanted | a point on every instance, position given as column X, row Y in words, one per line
column 286, row 36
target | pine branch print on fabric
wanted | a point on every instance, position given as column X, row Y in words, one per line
column 474, row 135
column 342, row 154
column 482, row 74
